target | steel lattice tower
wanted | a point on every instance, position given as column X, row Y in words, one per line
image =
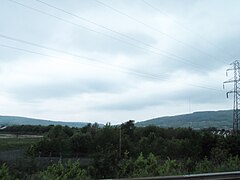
column 235, row 67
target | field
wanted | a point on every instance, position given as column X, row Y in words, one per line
column 13, row 150
column 15, row 142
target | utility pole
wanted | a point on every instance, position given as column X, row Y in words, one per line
column 235, row 67
column 120, row 141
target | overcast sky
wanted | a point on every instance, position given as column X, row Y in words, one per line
column 115, row 60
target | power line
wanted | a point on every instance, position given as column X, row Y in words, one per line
column 124, row 69
column 26, row 50
column 164, row 53
column 187, row 28
column 155, row 29
column 53, row 49
column 114, row 31
column 119, row 68
column 67, row 53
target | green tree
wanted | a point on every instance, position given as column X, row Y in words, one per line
column 204, row 166
column 125, row 166
column 141, row 167
column 106, row 162
column 128, row 137
column 82, row 143
column 69, row 170
column 4, row 172
column 218, row 155
column 170, row 167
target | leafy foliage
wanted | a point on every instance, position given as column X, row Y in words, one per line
column 196, row 120
column 128, row 151
column 69, row 170
column 4, row 172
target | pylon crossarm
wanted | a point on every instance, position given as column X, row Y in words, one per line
column 230, row 69
column 229, row 81
column 229, row 92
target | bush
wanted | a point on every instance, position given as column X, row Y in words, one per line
column 69, row 170
column 4, row 172
column 204, row 166
column 170, row 167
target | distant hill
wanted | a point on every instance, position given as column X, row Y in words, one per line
column 15, row 120
column 197, row 120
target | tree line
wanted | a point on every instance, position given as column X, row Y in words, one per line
column 129, row 151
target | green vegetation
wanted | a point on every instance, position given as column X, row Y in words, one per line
column 197, row 120
column 4, row 172
column 16, row 143
column 122, row 151
column 62, row 171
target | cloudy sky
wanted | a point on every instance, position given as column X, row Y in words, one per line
column 111, row 61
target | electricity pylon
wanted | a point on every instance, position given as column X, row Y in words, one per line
column 235, row 67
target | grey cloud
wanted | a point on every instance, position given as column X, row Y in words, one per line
column 203, row 96
column 133, row 104
column 199, row 95
column 203, row 26
column 63, row 89
column 7, row 55
column 217, row 21
column 93, row 42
